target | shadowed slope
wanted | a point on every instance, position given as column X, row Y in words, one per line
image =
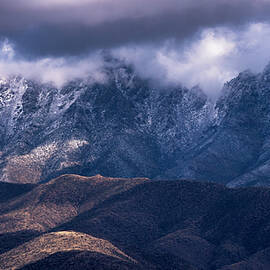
column 198, row 224
column 10, row 191
column 77, row 260
column 258, row 261
column 57, row 201
column 148, row 211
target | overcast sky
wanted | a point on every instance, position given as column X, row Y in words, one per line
column 192, row 42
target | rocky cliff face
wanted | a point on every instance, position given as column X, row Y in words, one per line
column 238, row 152
column 127, row 127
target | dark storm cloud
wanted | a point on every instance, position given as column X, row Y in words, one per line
column 65, row 27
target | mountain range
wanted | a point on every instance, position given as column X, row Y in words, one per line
column 181, row 180
column 128, row 126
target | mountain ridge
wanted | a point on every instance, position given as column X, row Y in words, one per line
column 127, row 127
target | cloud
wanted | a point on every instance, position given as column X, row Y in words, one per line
column 7, row 51
column 216, row 56
column 65, row 27
column 56, row 70
column 209, row 59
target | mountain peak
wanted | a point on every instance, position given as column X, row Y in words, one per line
column 127, row 128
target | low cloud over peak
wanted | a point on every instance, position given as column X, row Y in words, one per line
column 184, row 42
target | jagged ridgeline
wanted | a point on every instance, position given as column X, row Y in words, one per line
column 128, row 127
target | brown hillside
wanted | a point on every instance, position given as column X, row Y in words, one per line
column 159, row 224
column 57, row 201
column 63, row 241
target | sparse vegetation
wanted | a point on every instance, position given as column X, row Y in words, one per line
column 75, row 222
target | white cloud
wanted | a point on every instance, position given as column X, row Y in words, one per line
column 54, row 70
column 199, row 63
column 210, row 59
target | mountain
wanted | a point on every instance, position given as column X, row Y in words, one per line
column 122, row 128
column 237, row 154
column 75, row 222
column 128, row 126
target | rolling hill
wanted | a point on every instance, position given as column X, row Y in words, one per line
column 99, row 222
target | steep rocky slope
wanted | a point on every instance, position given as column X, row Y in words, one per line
column 102, row 222
column 128, row 127
column 238, row 152
column 124, row 127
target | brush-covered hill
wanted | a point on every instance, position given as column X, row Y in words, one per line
column 105, row 223
column 76, row 249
